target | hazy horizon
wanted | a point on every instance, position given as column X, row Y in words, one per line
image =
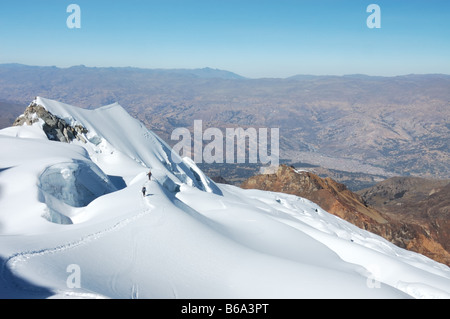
column 216, row 69
column 255, row 39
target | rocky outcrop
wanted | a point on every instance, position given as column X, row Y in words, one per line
column 417, row 235
column 54, row 127
column 330, row 195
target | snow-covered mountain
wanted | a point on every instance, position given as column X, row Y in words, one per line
column 74, row 224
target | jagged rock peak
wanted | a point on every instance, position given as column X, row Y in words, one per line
column 55, row 128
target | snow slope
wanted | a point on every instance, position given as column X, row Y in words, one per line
column 77, row 209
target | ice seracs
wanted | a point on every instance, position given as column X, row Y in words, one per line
column 80, row 203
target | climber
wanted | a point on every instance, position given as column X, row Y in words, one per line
column 149, row 175
column 144, row 190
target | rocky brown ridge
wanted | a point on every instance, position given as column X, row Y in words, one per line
column 54, row 127
column 425, row 235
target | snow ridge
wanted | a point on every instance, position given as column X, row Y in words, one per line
column 81, row 203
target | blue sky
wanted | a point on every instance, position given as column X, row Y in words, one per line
column 254, row 38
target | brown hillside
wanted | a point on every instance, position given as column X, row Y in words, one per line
column 338, row 200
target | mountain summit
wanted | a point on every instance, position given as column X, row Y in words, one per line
column 75, row 224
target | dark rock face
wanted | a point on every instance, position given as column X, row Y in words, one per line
column 54, row 127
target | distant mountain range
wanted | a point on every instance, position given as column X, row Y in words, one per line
column 377, row 127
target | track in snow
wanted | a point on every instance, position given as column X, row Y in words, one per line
column 12, row 280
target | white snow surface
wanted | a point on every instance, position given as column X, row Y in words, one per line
column 76, row 211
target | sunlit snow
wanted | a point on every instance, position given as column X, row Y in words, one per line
column 81, row 204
